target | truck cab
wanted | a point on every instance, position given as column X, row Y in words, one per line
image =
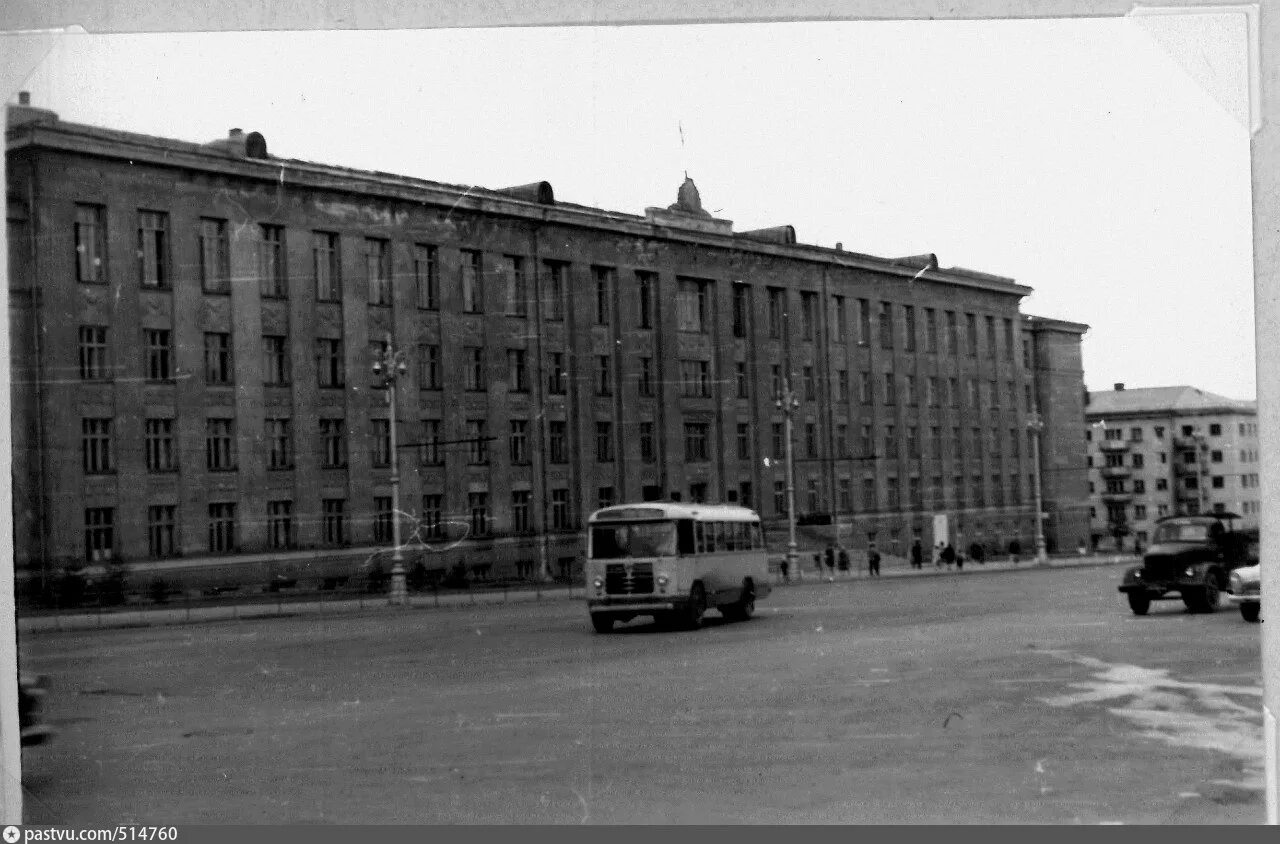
column 1190, row 558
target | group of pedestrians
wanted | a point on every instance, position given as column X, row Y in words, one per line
column 833, row 559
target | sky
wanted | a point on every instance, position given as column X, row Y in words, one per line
column 1102, row 162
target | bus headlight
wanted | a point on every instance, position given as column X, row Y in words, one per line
column 599, row 583
column 663, row 581
column 1190, row 572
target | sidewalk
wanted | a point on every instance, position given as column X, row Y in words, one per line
column 155, row 616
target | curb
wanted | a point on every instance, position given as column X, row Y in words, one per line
column 118, row 619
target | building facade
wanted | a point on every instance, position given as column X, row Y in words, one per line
column 194, row 328
column 1165, row 451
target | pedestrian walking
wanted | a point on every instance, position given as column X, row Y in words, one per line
column 873, row 562
column 785, row 567
column 948, row 556
column 831, row 562
column 959, row 561
column 917, row 555
column 842, row 560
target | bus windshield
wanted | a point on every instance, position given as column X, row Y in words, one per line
column 633, row 539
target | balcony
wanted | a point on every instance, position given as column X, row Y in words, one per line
column 1186, row 443
column 1110, row 472
column 1181, row 494
column 1117, row 497
column 1183, row 470
column 1113, row 446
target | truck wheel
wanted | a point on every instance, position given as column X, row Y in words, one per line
column 1210, row 594
column 601, row 622
column 1250, row 612
column 1139, row 603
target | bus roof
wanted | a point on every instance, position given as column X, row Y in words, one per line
column 675, row 510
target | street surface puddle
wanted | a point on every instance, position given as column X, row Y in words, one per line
column 1204, row 716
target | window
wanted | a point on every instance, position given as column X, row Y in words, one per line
column 1026, row 354
column 953, row 391
column 645, row 283
column 838, row 318
column 519, row 441
column 744, row 441
column 864, row 441
column 217, row 358
column 279, row 435
column 842, row 385
column 153, row 249
column 647, row 454
column 744, row 494
column 280, row 524
column 810, row 384
column 429, row 366
column 811, row 439
column 864, row 322
column 328, row 269
column 93, row 353
column 864, row 387
column 431, row 525
column 914, row 494
column 557, row 290
column 644, row 384
column 1214, row 456
column 333, row 521
column 1138, row 461
column 886, row 325
column 890, row 388
column 777, row 311
column 557, row 375
column 556, row 442
column 472, row 282
column 606, row 497
column 215, row 269
column 220, row 445
column 96, row 447
column 273, row 280
column 380, row 432
column 604, row 298
column 161, row 454
column 377, row 271
column 1159, row 430
column 426, row 276
column 473, row 373
column 161, row 531
column 930, row 330
column 780, row 497
column 935, row 436
column 913, row 439
column 844, row 495
column 560, row 510
column 695, row 441
column 477, row 442
column 778, row 439
column 913, row 396
column 1215, row 430
column 517, row 287
column 99, row 534
column 993, row 391
column 604, row 375
column 222, row 528
column 1217, row 482
column 991, row 336
column 333, row 443
column 953, row 334
column 842, row 440
column 741, row 309
column 890, row 442
column 775, row 378
column 518, row 371
column 329, row 366
column 909, row 327
column 812, row 496
column 604, row 442
column 808, row 315
column 520, row 521
column 971, row 332
column 159, row 362
column 695, row 378
column 91, row 244
column 429, row 453
column 1162, row 484
column 275, row 360
column 892, row 494
column 383, row 519
column 691, row 305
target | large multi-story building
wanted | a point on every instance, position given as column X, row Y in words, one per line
column 193, row 329
column 1164, row 451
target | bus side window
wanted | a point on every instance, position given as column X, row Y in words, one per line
column 710, row 529
column 699, row 537
column 735, row 536
column 685, row 537
column 757, row 540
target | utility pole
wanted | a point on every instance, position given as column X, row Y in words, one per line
column 788, row 402
column 390, row 365
column 1036, row 425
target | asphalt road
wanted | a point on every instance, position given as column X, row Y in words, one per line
column 1027, row 696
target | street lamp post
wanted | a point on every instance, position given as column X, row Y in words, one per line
column 390, row 365
column 1035, row 424
column 788, row 402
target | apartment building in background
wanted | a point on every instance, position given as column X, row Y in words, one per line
column 1165, row 451
column 193, row 328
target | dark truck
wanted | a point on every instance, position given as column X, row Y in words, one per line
column 1190, row 557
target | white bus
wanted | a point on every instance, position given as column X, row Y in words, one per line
column 674, row 562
